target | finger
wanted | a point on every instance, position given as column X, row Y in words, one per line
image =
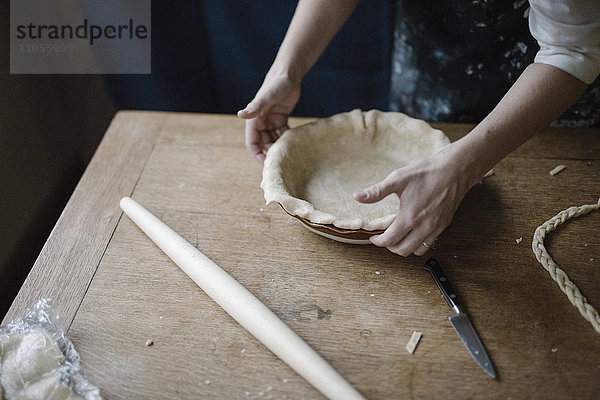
column 256, row 151
column 280, row 131
column 253, row 143
column 392, row 235
column 267, row 138
column 411, row 242
column 252, row 110
column 378, row 191
column 430, row 241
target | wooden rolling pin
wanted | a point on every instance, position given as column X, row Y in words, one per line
column 246, row 309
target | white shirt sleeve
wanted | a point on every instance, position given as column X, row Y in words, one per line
column 568, row 33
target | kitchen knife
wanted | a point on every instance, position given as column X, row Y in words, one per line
column 460, row 321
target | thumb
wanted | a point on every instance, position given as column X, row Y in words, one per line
column 252, row 110
column 376, row 192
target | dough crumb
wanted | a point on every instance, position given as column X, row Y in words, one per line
column 377, row 273
column 519, row 240
column 557, row 170
column 414, row 340
column 554, row 350
column 372, row 294
column 149, row 343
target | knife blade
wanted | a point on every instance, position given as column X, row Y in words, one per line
column 460, row 321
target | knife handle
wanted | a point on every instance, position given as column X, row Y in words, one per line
column 443, row 284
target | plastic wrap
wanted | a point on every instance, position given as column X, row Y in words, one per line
column 39, row 331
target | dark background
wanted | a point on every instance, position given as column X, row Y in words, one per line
column 207, row 56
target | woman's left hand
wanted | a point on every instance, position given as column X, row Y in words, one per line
column 430, row 191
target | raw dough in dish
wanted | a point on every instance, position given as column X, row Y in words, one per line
column 313, row 170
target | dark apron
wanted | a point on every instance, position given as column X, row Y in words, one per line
column 454, row 60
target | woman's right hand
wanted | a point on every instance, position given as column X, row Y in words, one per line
column 267, row 114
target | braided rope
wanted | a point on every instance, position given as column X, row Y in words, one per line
column 577, row 299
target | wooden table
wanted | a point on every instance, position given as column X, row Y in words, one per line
column 356, row 305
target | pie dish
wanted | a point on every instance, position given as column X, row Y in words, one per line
column 313, row 170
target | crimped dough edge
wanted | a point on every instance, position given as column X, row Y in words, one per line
column 275, row 189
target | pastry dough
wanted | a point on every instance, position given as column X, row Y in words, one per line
column 560, row 277
column 314, row 169
column 29, row 367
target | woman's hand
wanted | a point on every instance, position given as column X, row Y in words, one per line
column 313, row 26
column 430, row 191
column 267, row 114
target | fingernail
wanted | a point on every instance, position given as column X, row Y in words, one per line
column 362, row 195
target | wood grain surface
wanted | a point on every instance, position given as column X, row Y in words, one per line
column 356, row 305
column 68, row 260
